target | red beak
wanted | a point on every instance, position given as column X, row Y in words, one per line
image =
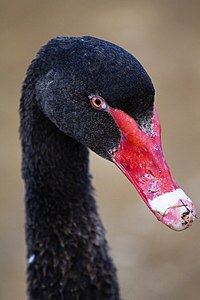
column 140, row 157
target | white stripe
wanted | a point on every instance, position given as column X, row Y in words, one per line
column 167, row 200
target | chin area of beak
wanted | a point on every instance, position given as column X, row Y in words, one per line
column 140, row 157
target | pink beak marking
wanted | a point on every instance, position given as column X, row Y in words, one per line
column 140, row 157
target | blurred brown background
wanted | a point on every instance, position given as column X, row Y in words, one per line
column 153, row 262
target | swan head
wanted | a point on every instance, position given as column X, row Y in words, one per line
column 100, row 95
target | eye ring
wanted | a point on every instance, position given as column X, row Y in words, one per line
column 98, row 102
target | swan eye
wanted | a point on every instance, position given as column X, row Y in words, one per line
column 98, row 102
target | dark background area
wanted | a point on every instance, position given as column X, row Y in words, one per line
column 153, row 262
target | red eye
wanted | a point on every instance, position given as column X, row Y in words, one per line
column 98, row 102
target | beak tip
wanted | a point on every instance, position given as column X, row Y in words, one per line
column 174, row 209
column 182, row 217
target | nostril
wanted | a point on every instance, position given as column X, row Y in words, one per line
column 150, row 173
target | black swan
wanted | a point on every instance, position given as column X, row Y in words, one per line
column 82, row 93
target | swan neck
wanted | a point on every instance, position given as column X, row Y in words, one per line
column 67, row 252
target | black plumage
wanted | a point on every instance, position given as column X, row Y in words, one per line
column 67, row 250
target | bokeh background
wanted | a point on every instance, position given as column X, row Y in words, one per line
column 153, row 262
